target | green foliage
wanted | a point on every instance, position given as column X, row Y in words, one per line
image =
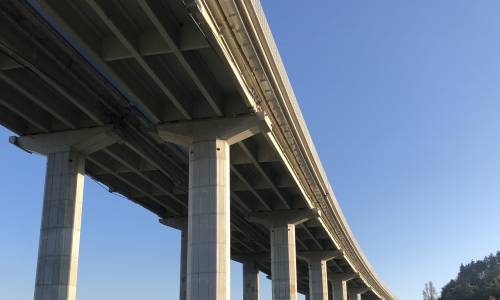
column 477, row 280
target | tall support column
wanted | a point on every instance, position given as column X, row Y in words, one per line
column 56, row 274
column 283, row 255
column 283, row 262
column 318, row 280
column 180, row 223
column 318, row 283
column 354, row 296
column 208, row 254
column 339, row 285
column 183, row 265
column 208, row 221
column 250, row 281
column 60, row 231
column 339, row 289
column 357, row 293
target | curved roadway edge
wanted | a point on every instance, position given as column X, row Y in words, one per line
column 240, row 30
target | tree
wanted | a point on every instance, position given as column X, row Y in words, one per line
column 429, row 292
column 476, row 280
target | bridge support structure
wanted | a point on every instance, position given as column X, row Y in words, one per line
column 208, row 247
column 339, row 285
column 283, row 253
column 250, row 280
column 356, row 294
column 57, row 266
column 180, row 223
column 318, row 277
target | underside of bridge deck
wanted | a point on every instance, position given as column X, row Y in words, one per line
column 135, row 65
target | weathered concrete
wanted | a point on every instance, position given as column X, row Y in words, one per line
column 283, row 253
column 318, row 280
column 250, row 280
column 57, row 267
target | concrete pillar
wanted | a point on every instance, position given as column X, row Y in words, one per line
column 180, row 223
column 339, row 285
column 283, row 262
column 57, row 266
column 208, row 249
column 339, row 289
column 318, row 286
column 183, row 265
column 56, row 273
column 318, row 280
column 208, row 221
column 283, row 255
column 250, row 281
column 354, row 296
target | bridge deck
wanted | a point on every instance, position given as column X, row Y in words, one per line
column 137, row 64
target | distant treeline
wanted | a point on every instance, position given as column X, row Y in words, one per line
column 478, row 280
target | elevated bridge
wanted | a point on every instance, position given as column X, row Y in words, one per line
column 185, row 108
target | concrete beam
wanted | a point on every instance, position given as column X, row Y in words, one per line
column 324, row 255
column 231, row 130
column 85, row 141
column 345, row 276
column 49, row 102
column 281, row 217
column 180, row 223
column 255, row 257
column 7, row 63
column 152, row 43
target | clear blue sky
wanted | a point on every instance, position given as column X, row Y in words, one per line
column 402, row 99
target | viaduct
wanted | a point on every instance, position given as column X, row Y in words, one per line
column 185, row 108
